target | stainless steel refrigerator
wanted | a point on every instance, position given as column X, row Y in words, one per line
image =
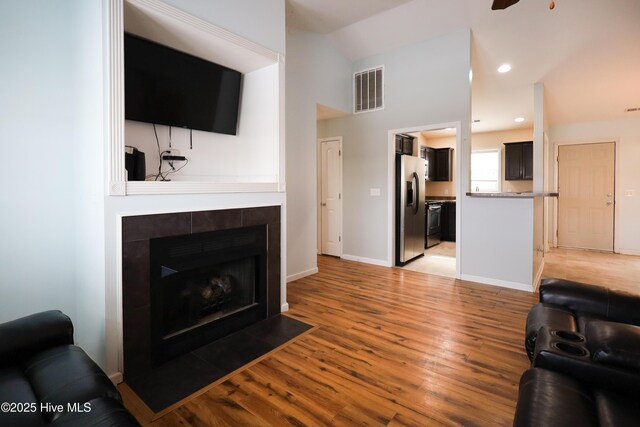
column 410, row 208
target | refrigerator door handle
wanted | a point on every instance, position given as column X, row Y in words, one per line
column 416, row 192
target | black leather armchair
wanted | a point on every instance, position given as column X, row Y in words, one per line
column 584, row 343
column 570, row 306
column 46, row 380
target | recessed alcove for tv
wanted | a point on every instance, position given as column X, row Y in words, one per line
column 252, row 161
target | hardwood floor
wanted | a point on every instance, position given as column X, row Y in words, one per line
column 392, row 347
column 612, row 270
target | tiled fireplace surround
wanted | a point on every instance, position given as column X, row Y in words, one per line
column 136, row 233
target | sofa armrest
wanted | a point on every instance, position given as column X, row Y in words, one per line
column 23, row 337
column 598, row 301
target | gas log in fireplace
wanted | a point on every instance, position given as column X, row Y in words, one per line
column 205, row 286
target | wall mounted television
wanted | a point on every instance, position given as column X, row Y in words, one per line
column 168, row 87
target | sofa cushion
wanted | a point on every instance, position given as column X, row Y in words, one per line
column 15, row 388
column 102, row 412
column 617, row 410
column 547, row 398
column 65, row 374
column 614, row 343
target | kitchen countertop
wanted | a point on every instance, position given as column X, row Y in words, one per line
column 521, row 195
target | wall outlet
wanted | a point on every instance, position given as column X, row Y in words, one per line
column 374, row 192
column 628, row 193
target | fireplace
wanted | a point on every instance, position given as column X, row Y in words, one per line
column 205, row 286
column 190, row 278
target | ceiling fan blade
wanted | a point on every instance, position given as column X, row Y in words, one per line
column 503, row 4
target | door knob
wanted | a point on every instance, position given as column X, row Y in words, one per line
column 609, row 203
column 609, row 194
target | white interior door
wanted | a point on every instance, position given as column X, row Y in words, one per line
column 331, row 197
column 586, row 196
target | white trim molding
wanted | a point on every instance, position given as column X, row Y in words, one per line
column 495, row 282
column 372, row 261
column 284, row 307
column 301, row 274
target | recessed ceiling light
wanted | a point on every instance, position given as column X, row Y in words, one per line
column 519, row 119
column 504, row 68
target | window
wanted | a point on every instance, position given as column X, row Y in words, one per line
column 368, row 88
column 485, row 171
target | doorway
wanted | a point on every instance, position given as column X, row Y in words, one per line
column 436, row 147
column 330, row 196
column 586, row 201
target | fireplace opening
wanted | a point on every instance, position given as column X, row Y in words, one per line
column 205, row 286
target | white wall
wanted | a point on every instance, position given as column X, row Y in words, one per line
column 89, row 180
column 261, row 21
column 39, row 118
column 425, row 83
column 315, row 73
column 626, row 134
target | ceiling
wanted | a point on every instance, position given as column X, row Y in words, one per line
column 586, row 52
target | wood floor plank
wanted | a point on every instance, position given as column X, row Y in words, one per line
column 392, row 347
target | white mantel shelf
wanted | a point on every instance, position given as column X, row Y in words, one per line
column 507, row 195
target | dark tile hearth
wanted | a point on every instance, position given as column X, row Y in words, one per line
column 183, row 376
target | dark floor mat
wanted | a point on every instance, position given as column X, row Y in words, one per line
column 180, row 377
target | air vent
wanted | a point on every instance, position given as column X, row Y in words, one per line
column 368, row 90
column 631, row 110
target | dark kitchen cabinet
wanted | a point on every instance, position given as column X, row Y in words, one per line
column 430, row 154
column 439, row 162
column 518, row 160
column 448, row 221
column 404, row 144
column 444, row 164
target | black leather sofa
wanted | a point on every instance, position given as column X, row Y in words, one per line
column 46, row 380
column 584, row 344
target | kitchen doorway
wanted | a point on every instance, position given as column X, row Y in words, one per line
column 330, row 196
column 435, row 146
column 586, row 201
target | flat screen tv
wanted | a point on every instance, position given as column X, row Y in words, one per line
column 168, row 87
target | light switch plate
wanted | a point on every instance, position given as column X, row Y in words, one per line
column 628, row 193
column 374, row 191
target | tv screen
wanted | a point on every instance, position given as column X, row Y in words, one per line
column 168, row 87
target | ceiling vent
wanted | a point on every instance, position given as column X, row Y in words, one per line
column 631, row 110
column 368, row 90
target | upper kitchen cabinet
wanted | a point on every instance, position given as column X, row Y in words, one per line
column 443, row 164
column 518, row 160
column 404, row 144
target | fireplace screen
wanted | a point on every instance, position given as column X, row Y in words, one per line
column 200, row 295
column 205, row 286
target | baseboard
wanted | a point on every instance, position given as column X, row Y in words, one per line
column 628, row 252
column 372, row 261
column 536, row 280
column 496, row 282
column 284, row 307
column 302, row 274
column 116, row 378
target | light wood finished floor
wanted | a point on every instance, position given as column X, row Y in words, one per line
column 392, row 348
column 612, row 270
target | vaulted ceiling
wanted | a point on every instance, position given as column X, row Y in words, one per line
column 586, row 52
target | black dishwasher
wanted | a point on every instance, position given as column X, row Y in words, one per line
column 434, row 210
